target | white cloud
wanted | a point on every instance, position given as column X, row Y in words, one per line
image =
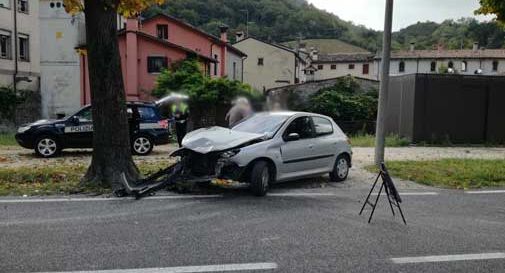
column 371, row 12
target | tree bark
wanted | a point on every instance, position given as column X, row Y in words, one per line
column 111, row 139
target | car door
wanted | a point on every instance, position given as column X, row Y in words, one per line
column 296, row 154
column 79, row 129
column 325, row 143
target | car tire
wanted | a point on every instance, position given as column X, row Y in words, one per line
column 340, row 169
column 261, row 178
column 142, row 145
column 47, row 146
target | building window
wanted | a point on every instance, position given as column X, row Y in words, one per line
column 495, row 66
column 24, row 47
column 156, row 64
column 5, row 4
column 260, row 61
column 23, row 6
column 162, row 31
column 215, row 65
column 366, row 69
column 433, row 66
column 351, row 66
column 401, row 67
column 333, row 67
column 320, row 67
column 464, row 65
column 234, row 70
column 5, row 44
column 451, row 65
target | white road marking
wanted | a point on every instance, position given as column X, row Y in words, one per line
column 413, row 193
column 188, row 269
column 449, row 258
column 485, row 192
column 91, row 199
column 302, row 194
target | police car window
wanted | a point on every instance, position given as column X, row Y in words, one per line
column 322, row 126
column 84, row 115
column 147, row 113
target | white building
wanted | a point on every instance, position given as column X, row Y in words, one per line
column 61, row 33
column 465, row 61
column 19, row 44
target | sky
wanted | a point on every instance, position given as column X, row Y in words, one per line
column 406, row 12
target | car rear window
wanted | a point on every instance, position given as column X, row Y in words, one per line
column 147, row 113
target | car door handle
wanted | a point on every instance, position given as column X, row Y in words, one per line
column 311, row 146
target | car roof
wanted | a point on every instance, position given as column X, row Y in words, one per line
column 291, row 114
column 129, row 103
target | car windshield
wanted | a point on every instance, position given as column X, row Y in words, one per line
column 263, row 124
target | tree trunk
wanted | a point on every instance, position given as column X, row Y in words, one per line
column 111, row 139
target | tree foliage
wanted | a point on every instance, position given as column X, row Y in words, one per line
column 287, row 20
column 186, row 77
column 126, row 8
column 345, row 101
column 496, row 7
column 451, row 34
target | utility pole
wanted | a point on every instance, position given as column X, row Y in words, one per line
column 380, row 133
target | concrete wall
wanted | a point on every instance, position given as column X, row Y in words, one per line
column 277, row 70
column 59, row 61
column 447, row 108
column 413, row 66
column 302, row 92
column 342, row 69
column 234, row 66
column 28, row 25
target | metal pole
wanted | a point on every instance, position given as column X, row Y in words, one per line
column 16, row 53
column 380, row 137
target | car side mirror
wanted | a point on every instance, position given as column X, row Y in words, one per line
column 293, row 137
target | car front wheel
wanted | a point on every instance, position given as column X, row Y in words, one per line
column 340, row 169
column 142, row 145
column 47, row 146
column 261, row 177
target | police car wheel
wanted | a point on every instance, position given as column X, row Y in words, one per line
column 142, row 145
column 47, row 146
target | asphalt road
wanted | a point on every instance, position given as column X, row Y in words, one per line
column 295, row 229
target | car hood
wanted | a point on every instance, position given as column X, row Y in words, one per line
column 43, row 122
column 214, row 139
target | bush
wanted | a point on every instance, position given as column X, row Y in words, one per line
column 346, row 103
column 9, row 101
column 209, row 98
column 186, row 77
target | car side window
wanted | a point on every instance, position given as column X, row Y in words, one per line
column 302, row 126
column 85, row 115
column 322, row 126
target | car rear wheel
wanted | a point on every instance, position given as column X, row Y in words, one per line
column 47, row 146
column 340, row 169
column 261, row 177
column 142, row 145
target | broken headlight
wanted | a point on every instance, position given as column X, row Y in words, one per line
column 230, row 153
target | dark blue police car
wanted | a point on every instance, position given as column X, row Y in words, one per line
column 49, row 137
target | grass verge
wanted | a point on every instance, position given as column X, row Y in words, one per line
column 450, row 173
column 7, row 139
column 62, row 179
column 369, row 141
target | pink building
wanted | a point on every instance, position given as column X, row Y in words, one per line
column 149, row 46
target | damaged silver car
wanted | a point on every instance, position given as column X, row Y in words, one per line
column 266, row 148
